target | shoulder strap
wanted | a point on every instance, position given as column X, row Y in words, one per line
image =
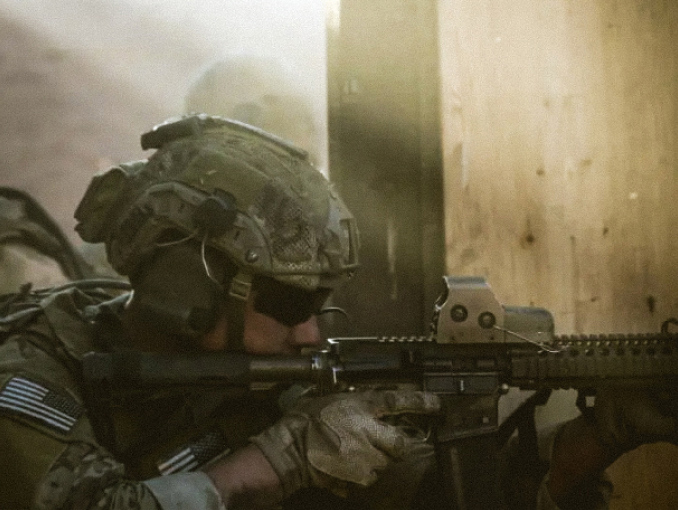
column 24, row 220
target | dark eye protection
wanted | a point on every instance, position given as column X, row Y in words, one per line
column 287, row 304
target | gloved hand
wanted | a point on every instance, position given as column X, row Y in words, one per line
column 338, row 440
column 627, row 418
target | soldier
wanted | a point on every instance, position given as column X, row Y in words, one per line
column 231, row 241
column 259, row 91
column 33, row 247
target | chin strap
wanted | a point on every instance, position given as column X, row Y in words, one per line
column 238, row 293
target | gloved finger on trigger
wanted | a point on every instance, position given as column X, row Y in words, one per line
column 389, row 440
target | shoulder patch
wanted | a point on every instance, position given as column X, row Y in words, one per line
column 30, row 399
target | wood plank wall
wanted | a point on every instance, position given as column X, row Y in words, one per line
column 560, row 140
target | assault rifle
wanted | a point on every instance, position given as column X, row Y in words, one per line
column 477, row 350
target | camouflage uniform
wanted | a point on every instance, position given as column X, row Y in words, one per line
column 48, row 429
column 60, row 459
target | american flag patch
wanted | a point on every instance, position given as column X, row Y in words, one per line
column 30, row 399
column 193, row 455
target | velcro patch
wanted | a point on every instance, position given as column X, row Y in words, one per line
column 30, row 399
column 193, row 455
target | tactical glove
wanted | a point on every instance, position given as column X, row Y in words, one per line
column 625, row 419
column 342, row 440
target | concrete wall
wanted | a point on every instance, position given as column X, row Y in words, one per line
column 561, row 169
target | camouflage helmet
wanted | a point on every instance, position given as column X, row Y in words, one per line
column 236, row 188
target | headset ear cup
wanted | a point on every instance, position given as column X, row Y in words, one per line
column 174, row 294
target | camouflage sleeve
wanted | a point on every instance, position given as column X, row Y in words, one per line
column 56, row 461
column 85, row 476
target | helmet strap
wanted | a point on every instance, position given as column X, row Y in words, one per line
column 238, row 293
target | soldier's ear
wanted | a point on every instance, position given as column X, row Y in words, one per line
column 174, row 294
